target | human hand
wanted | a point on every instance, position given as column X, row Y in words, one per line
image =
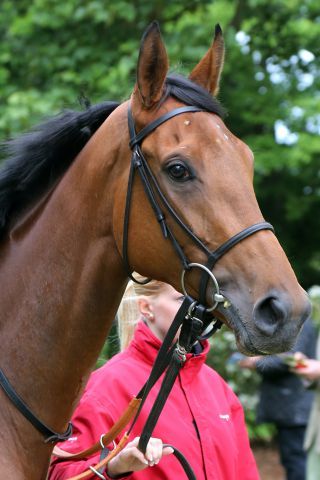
column 249, row 362
column 309, row 370
column 131, row 459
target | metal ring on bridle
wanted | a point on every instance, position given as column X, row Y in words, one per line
column 191, row 308
column 217, row 297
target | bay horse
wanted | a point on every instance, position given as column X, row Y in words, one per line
column 63, row 192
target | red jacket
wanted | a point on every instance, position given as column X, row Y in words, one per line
column 202, row 417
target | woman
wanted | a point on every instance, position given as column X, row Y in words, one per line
column 202, row 416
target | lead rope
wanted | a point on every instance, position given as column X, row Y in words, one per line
column 190, row 333
column 161, row 363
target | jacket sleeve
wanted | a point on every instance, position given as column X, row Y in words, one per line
column 90, row 421
column 246, row 465
column 272, row 367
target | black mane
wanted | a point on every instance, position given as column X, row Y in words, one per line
column 38, row 158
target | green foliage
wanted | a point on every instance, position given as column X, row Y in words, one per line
column 277, row 81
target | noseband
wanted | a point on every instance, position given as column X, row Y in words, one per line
column 157, row 200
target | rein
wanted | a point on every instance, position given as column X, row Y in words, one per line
column 50, row 435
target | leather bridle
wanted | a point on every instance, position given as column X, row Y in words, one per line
column 158, row 200
column 195, row 323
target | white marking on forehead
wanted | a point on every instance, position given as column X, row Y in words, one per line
column 218, row 126
column 226, row 136
column 187, row 122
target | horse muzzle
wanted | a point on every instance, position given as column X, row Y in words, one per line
column 270, row 327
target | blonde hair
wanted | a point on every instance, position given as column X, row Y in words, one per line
column 128, row 314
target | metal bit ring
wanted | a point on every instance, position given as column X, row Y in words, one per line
column 217, row 297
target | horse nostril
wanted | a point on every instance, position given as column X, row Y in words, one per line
column 269, row 314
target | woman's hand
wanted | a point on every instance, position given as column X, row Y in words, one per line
column 130, row 459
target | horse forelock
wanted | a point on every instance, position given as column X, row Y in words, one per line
column 190, row 93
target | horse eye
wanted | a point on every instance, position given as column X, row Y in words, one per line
column 179, row 172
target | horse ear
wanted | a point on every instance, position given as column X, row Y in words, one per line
column 153, row 66
column 207, row 72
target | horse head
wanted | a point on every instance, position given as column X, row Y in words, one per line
column 206, row 174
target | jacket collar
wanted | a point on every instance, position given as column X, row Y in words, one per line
column 146, row 345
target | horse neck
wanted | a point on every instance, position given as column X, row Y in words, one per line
column 62, row 280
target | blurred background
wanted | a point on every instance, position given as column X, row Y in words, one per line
column 53, row 53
